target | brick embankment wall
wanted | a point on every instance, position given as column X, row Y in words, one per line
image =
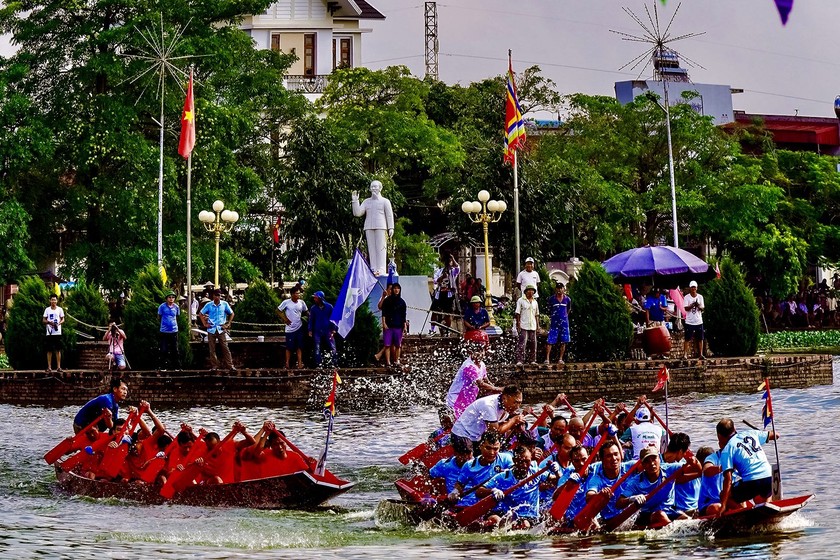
column 380, row 387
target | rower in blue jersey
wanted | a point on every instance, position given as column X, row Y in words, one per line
column 449, row 469
column 610, row 470
column 659, row 508
column 521, row 507
column 711, row 483
column 579, row 455
column 741, row 453
column 478, row 471
column 687, row 493
column 562, row 456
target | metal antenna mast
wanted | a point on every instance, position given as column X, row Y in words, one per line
column 431, row 41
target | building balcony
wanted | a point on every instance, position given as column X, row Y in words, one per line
column 307, row 84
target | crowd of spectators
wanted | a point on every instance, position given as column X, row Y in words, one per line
column 812, row 308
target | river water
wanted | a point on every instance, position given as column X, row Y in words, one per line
column 35, row 521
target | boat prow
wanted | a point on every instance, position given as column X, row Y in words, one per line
column 742, row 521
column 297, row 490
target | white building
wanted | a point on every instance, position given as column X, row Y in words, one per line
column 324, row 34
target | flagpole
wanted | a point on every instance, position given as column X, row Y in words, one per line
column 666, row 408
column 515, row 208
column 160, row 177
column 189, row 230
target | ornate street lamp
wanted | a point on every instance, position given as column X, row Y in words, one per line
column 221, row 222
column 485, row 211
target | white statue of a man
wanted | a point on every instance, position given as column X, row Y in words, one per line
column 379, row 225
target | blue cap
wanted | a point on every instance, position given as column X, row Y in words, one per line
column 318, row 294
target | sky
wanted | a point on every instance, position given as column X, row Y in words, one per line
column 783, row 70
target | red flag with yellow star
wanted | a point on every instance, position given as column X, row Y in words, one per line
column 187, row 142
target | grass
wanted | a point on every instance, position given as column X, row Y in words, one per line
column 800, row 341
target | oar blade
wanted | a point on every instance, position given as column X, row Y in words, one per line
column 593, row 507
column 64, row 447
column 564, row 499
column 414, row 454
column 471, row 513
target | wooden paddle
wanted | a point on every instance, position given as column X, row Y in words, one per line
column 71, row 462
column 420, row 451
column 473, row 512
column 570, row 487
column 71, row 443
column 613, row 523
column 659, row 419
column 569, row 406
column 599, row 501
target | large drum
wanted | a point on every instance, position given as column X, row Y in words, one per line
column 656, row 339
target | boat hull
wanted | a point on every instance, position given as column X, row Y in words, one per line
column 298, row 490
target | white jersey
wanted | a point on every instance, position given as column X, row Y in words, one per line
column 525, row 279
column 53, row 317
column 473, row 421
column 644, row 435
column 693, row 316
column 294, row 310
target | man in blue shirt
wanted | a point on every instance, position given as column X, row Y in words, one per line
column 450, row 469
column 217, row 316
column 478, row 471
column 656, row 304
column 475, row 316
column 321, row 329
column 741, row 452
column 168, row 313
column 109, row 401
column 559, row 306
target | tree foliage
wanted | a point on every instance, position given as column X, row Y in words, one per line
column 601, row 328
column 14, row 231
column 731, row 317
column 24, row 329
column 259, row 306
column 86, row 304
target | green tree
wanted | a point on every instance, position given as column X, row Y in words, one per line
column 142, row 324
column 14, row 259
column 601, row 328
column 731, row 317
column 86, row 305
column 24, row 328
column 69, row 89
column 258, row 306
column 414, row 254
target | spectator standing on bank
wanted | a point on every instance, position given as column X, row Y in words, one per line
column 393, row 320
column 559, row 307
column 115, row 337
column 216, row 316
column 385, row 293
column 527, row 321
column 443, row 300
column 694, row 334
column 475, row 316
column 656, row 305
column 168, row 313
column 321, row 329
column 292, row 311
column 53, row 318
column 528, row 277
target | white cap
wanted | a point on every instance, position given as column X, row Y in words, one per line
column 692, row 284
column 643, row 415
column 529, row 259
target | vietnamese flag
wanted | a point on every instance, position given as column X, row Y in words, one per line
column 187, row 141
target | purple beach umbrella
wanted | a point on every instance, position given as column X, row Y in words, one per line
column 660, row 264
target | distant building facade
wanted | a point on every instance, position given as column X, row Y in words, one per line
column 324, row 34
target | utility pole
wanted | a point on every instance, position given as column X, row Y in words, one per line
column 431, row 41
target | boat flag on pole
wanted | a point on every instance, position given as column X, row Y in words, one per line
column 767, row 409
column 329, row 414
column 187, row 140
column 662, row 377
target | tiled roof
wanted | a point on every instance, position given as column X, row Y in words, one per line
column 368, row 11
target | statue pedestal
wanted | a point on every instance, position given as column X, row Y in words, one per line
column 415, row 292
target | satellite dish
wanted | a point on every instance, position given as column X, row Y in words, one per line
column 837, row 106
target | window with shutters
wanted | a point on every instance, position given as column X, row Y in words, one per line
column 309, row 54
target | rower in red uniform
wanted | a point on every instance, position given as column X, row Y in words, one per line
column 269, row 456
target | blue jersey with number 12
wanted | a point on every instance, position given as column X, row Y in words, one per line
column 744, row 455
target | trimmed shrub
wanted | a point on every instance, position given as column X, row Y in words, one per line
column 142, row 324
column 259, row 305
column 86, row 304
column 364, row 339
column 25, row 330
column 601, row 328
column 731, row 318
